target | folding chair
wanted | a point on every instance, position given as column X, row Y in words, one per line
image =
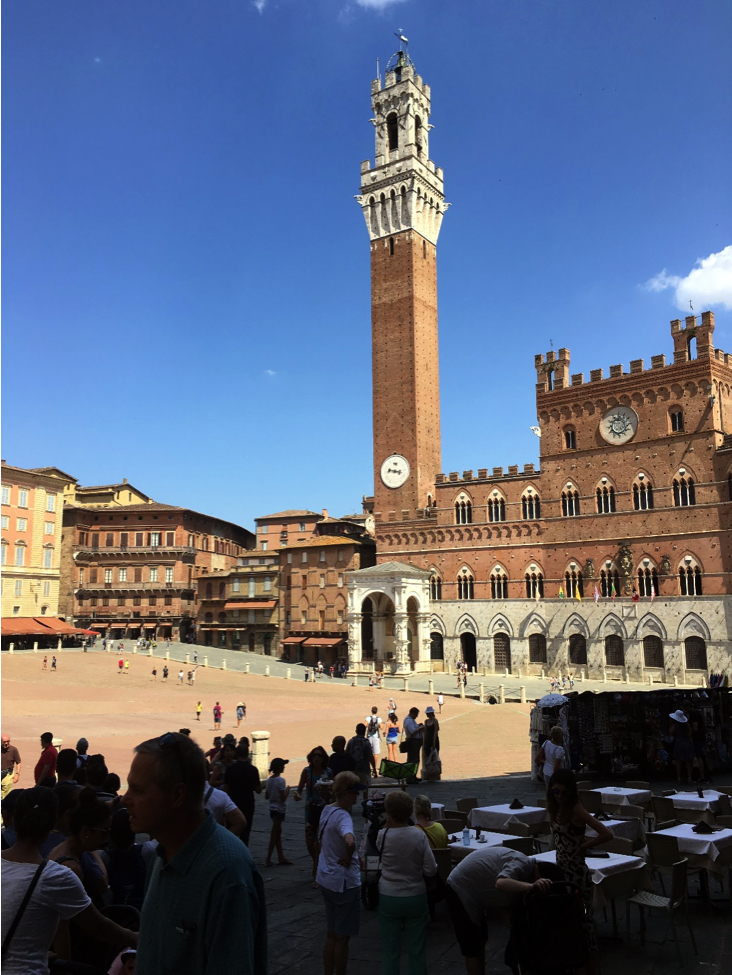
column 458, row 814
column 452, row 826
column 663, row 809
column 644, row 786
column 465, row 805
column 644, row 899
column 592, row 801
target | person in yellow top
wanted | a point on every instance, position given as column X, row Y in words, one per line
column 198, row 711
column 127, row 667
column 436, row 834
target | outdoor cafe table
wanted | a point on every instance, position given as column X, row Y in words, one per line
column 606, row 873
column 702, row 849
column 502, row 816
column 700, row 808
column 629, row 829
column 438, row 811
column 459, row 850
column 615, row 795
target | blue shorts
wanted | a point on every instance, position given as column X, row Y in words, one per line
column 343, row 911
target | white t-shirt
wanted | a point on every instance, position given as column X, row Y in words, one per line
column 59, row 894
column 335, row 824
column 219, row 803
column 272, row 788
column 552, row 752
column 369, row 732
column 406, row 859
column 474, row 878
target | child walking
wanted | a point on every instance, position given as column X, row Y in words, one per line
column 276, row 790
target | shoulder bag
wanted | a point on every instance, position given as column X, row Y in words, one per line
column 21, row 910
column 370, row 889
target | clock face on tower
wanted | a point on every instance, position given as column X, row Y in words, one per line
column 395, row 471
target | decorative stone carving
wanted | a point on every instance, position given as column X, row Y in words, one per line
column 590, row 569
column 665, row 565
column 625, row 564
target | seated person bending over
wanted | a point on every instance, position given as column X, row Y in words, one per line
column 479, row 882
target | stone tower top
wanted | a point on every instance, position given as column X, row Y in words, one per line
column 404, row 190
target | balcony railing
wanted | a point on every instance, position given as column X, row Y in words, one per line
column 93, row 588
column 89, row 551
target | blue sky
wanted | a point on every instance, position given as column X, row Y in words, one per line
column 186, row 272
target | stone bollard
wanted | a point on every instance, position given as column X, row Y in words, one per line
column 581, row 676
column 266, row 671
column 627, row 678
column 223, row 664
column 449, row 671
column 149, row 651
column 406, row 683
column 542, row 674
column 134, row 650
column 167, row 654
column 462, row 690
column 35, row 647
column 246, row 668
column 205, row 661
column 481, row 693
column 11, row 648
column 260, row 752
column 501, row 694
column 676, row 680
column 505, row 672
column 650, row 679
column 522, row 691
column 604, row 676
column 354, row 682
column 188, row 658
column 58, row 645
column 430, row 686
column 518, row 673
column 288, row 674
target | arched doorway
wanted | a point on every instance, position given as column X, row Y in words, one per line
column 367, row 629
column 469, row 652
column 502, row 652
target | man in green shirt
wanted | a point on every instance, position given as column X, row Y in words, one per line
column 204, row 910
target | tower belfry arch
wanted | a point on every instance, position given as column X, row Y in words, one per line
column 403, row 203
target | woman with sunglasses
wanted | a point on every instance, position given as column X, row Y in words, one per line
column 569, row 819
column 312, row 774
column 89, row 825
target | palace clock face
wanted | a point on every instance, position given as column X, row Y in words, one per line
column 619, row 425
column 395, row 471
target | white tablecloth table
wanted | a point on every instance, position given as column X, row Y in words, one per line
column 459, row 850
column 438, row 811
column 604, row 873
column 629, row 829
column 627, row 797
column 703, row 849
column 502, row 816
column 691, row 800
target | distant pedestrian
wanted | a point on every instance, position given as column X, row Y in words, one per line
column 320, row 668
column 373, row 733
column 180, row 676
column 217, row 716
column 127, row 667
column 392, row 736
column 155, row 673
column 193, row 676
column 277, row 791
column 199, row 708
column 195, row 656
column 165, row 672
column 45, row 663
column 241, row 712
column 571, row 681
column 53, row 663
column 332, row 671
column 440, row 702
column 391, row 707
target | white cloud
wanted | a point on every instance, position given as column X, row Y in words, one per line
column 708, row 283
column 270, row 372
column 259, row 4
column 377, row 4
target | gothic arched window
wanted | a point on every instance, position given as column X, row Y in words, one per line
column 609, row 582
column 652, row 651
column 496, row 509
column 531, row 506
column 676, row 420
column 534, row 585
column 392, row 131
column 537, row 648
column 690, row 580
column 642, row 496
column 647, row 582
column 614, row 651
column 684, row 492
column 418, row 134
column 573, row 583
column 435, row 587
column 577, row 649
column 463, row 512
column 695, row 651
column 570, row 438
column 570, row 503
column 499, row 584
column 605, row 500
column 465, row 585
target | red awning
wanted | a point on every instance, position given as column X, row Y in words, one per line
column 261, row 604
column 323, row 641
column 98, row 626
column 88, row 632
column 58, row 626
column 24, row 626
column 293, row 639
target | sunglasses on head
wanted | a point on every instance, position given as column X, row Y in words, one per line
column 168, row 740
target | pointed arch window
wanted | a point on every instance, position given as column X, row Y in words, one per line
column 642, row 496
column 418, row 134
column 690, row 580
column 570, row 503
column 695, row 651
column 684, row 492
column 534, row 585
column 435, row 587
column 605, row 500
column 577, row 649
column 466, row 585
column 676, row 420
column 463, row 512
column 573, row 583
column 647, row 582
column 570, row 438
column 496, row 509
column 537, row 648
column 614, row 651
column 609, row 582
column 653, row 651
column 531, row 506
column 499, row 584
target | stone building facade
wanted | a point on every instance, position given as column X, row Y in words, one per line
column 238, row 608
column 615, row 551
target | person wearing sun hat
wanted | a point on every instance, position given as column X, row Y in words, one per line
column 276, row 790
column 241, row 712
column 431, row 746
column 683, row 748
column 124, row 963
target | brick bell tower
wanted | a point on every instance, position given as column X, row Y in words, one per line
column 403, row 204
